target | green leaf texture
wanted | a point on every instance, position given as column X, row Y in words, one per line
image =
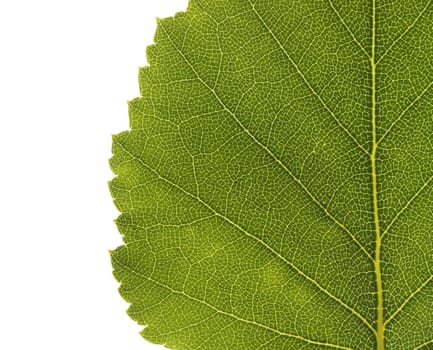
column 276, row 185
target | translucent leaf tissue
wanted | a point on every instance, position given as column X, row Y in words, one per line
column 275, row 186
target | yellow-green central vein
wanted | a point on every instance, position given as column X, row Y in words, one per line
column 380, row 341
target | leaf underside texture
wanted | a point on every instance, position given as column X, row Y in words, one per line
column 276, row 185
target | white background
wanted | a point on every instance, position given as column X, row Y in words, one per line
column 67, row 69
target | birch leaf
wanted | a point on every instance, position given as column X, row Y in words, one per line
column 275, row 186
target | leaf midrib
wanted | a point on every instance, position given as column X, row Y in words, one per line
column 380, row 329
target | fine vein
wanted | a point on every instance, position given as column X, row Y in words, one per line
column 417, row 193
column 419, row 347
column 348, row 29
column 405, row 32
column 409, row 298
column 402, row 114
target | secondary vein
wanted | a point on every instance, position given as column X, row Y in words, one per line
column 348, row 29
column 409, row 298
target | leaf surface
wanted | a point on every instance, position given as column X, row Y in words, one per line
column 275, row 187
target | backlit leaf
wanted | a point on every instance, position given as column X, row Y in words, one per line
column 276, row 188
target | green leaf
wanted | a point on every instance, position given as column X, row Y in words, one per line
column 276, row 184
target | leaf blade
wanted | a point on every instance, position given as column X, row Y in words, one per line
column 276, row 147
